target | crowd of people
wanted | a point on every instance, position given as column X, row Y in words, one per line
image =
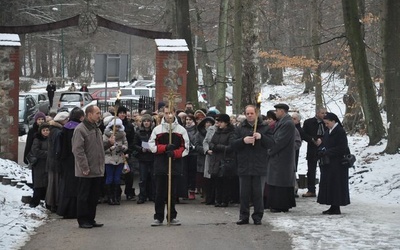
column 80, row 159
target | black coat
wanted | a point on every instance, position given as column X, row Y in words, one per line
column 130, row 135
column 251, row 160
column 221, row 146
column 39, row 173
column 29, row 140
column 334, row 183
column 310, row 128
column 142, row 135
column 53, row 155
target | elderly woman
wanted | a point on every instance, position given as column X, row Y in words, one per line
column 334, row 184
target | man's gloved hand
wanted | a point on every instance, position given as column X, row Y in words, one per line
column 170, row 147
column 211, row 146
column 170, row 153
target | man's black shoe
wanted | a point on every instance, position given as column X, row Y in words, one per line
column 242, row 222
column 257, row 222
column 86, row 225
column 97, row 224
column 140, row 201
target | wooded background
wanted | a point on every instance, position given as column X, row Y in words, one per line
column 243, row 43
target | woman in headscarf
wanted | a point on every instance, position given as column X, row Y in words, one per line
column 334, row 184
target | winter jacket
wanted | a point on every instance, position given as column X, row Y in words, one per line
column 88, row 149
column 251, row 159
column 158, row 142
column 115, row 154
column 221, row 146
column 281, row 162
column 198, row 144
column 39, row 150
column 142, row 135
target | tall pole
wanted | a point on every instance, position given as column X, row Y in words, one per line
column 62, row 50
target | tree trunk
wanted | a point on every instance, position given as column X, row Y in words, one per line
column 237, row 57
column 184, row 32
column 391, row 67
column 30, row 60
column 250, row 78
column 353, row 119
column 307, row 79
column 203, row 60
column 317, row 79
column 365, row 86
column 221, row 56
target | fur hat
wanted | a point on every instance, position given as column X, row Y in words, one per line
column 147, row 117
column 223, row 118
column 61, row 116
column 107, row 120
column 39, row 115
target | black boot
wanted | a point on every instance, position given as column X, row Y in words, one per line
column 110, row 194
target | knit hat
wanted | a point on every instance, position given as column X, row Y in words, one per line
column 122, row 109
column 118, row 122
column 39, row 115
column 61, row 116
column 199, row 114
column 223, row 118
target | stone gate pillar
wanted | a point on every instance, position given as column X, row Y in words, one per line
column 9, row 92
column 171, row 70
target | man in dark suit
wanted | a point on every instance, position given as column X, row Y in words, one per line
column 314, row 129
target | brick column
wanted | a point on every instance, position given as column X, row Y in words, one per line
column 9, row 92
column 171, row 70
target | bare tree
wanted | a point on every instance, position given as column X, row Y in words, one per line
column 364, row 82
column 391, row 49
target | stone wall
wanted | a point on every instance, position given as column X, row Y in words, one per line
column 9, row 92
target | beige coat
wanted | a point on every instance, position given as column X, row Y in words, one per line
column 88, row 149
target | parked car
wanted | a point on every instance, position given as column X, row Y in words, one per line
column 100, row 94
column 142, row 83
column 42, row 101
column 27, row 108
column 74, row 99
column 139, row 91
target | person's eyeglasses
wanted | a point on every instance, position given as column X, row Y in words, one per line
column 146, row 121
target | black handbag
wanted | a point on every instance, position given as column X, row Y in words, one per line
column 227, row 166
column 348, row 160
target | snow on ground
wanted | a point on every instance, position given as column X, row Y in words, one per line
column 371, row 221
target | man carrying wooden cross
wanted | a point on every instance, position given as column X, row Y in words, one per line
column 170, row 142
